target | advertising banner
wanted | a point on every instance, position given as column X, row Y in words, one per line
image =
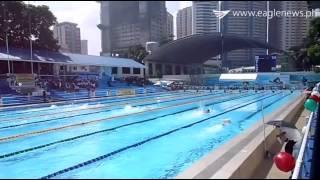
column 126, row 92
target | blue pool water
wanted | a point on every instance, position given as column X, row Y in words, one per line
column 156, row 136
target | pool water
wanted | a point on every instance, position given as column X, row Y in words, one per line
column 156, row 136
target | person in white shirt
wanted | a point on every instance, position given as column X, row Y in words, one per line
column 293, row 139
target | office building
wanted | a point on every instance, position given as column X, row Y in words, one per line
column 184, row 22
column 84, row 47
column 124, row 24
column 245, row 26
column 170, row 34
column 68, row 36
column 203, row 20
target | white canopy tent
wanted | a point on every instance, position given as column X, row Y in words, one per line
column 238, row 77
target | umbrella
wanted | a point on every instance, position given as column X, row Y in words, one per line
column 292, row 133
column 280, row 123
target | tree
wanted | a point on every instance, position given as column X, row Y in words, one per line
column 313, row 41
column 14, row 18
column 138, row 53
column 299, row 58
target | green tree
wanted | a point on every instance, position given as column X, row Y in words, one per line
column 138, row 53
column 298, row 57
column 313, row 41
column 14, row 20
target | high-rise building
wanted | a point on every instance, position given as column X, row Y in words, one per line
column 245, row 26
column 130, row 23
column 274, row 26
column 68, row 36
column 170, row 26
column 203, row 20
column 293, row 29
column 84, row 47
column 184, row 22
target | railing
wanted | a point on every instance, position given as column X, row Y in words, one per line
column 302, row 169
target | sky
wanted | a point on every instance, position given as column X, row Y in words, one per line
column 87, row 15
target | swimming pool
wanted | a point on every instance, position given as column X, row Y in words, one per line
column 151, row 136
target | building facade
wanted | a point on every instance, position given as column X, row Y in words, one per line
column 274, row 26
column 293, row 30
column 203, row 20
column 184, row 22
column 84, row 47
column 245, row 26
column 170, row 34
column 68, row 36
column 125, row 24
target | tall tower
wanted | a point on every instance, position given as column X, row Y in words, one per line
column 244, row 26
column 184, row 22
column 169, row 26
column 68, row 36
column 293, row 29
column 203, row 20
column 131, row 23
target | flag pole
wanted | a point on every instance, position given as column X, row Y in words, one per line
column 30, row 37
column 264, row 130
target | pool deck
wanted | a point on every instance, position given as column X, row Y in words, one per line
column 241, row 157
column 267, row 169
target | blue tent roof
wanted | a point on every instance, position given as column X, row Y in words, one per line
column 16, row 54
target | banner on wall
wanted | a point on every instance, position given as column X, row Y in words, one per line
column 274, row 78
column 126, row 92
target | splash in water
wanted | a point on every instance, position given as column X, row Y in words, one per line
column 53, row 106
column 128, row 107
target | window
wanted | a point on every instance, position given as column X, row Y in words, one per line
column 74, row 68
column 136, row 70
column 125, row 70
column 114, row 70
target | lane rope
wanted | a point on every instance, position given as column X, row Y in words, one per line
column 109, row 129
column 100, row 107
column 91, row 122
column 94, row 112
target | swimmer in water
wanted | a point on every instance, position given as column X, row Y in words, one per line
column 226, row 122
column 207, row 111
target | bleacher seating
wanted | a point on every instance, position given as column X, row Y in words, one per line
column 5, row 88
column 26, row 83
